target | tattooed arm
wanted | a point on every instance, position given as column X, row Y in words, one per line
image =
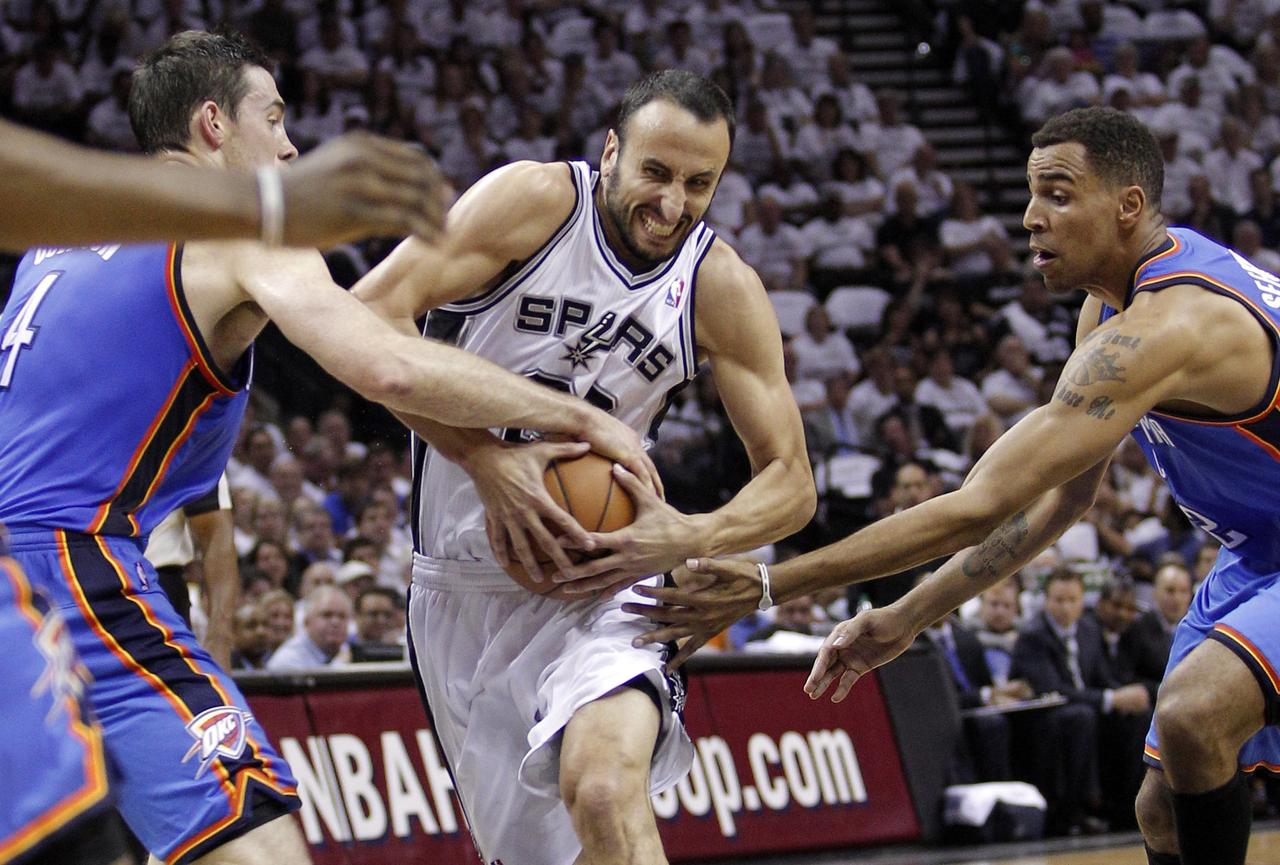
column 1120, row 370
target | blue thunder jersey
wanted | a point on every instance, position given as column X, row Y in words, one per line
column 112, row 412
column 1224, row 472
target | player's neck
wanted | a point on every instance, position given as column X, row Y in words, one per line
column 184, row 157
column 1112, row 287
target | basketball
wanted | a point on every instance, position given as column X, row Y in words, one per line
column 585, row 487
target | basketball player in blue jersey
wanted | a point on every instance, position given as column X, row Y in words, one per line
column 608, row 285
column 122, row 382
column 1177, row 345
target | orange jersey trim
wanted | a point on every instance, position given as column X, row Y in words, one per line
column 108, row 639
column 204, row 363
column 1243, row 642
column 1173, row 250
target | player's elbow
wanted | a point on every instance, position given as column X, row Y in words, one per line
column 388, row 380
column 977, row 512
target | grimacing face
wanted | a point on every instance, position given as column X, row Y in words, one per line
column 1072, row 216
column 660, row 183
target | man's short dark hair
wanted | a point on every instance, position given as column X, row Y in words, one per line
column 1064, row 574
column 701, row 97
column 380, row 591
column 1119, row 148
column 189, row 69
column 1116, row 585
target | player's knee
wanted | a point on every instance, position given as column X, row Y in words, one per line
column 600, row 793
column 1185, row 720
column 1154, row 810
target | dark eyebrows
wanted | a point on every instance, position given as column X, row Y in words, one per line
column 1051, row 176
column 650, row 162
column 277, row 104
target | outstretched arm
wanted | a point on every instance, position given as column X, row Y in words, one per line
column 875, row 637
column 355, row 186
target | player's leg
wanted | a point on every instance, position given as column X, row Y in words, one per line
column 279, row 842
column 1154, row 810
column 198, row 771
column 604, row 778
column 1209, row 706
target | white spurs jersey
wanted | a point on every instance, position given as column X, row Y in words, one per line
column 572, row 317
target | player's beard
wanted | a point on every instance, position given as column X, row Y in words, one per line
column 620, row 215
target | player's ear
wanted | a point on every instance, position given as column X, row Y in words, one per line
column 1133, row 204
column 211, row 124
column 609, row 158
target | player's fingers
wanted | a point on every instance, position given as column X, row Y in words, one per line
column 524, row 554
column 668, row 595
column 847, row 681
column 547, row 542
column 820, row 675
column 659, row 613
column 607, row 581
column 686, row 650
column 638, row 489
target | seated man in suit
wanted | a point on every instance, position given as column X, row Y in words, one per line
column 987, row 737
column 999, row 611
column 1114, row 611
column 1062, row 652
column 1145, row 646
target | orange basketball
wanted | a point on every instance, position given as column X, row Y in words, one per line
column 585, row 487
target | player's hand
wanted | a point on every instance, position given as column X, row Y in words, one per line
column 709, row 596
column 656, row 541
column 856, row 647
column 360, row 185
column 611, row 438
column 520, row 516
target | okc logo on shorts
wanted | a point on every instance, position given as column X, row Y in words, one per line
column 219, row 732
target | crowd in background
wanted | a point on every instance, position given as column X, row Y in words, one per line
column 913, row 334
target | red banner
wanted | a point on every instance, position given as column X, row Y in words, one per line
column 774, row 771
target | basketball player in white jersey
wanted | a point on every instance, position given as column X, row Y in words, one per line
column 611, row 287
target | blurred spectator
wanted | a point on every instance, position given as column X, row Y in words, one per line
column 252, row 640
column 787, row 104
column 1059, row 651
column 809, row 393
column 469, row 153
column 1179, row 168
column 350, row 491
column 957, row 398
column 1198, row 123
column 926, row 423
column 323, row 640
column 1230, row 165
column 1264, row 211
column 874, row 395
column 288, row 484
column 975, row 244
column 861, row 194
column 1058, row 86
column 1044, row 327
column 890, row 137
column 933, row 187
column 314, row 540
column 274, row 27
column 1145, row 645
column 987, row 736
column 796, row 196
column 1115, row 610
column 271, row 521
column 829, row 429
column 820, row 138
column 46, row 91
column 377, row 620
column 583, row 100
column 908, row 241
column 821, row 350
column 1206, row 558
column 276, row 607
column 108, row 124
column 1207, row 216
column 680, row 51
column 759, row 144
column 793, row 618
column 912, row 481
column 857, row 103
column 259, row 454
column 997, row 629
column 1010, row 389
column 269, row 559
column 1246, row 238
column 732, row 201
column 608, row 65
column 354, row 576
column 841, row 245
column 952, row 327
column 175, row 16
column 809, row 53
column 1146, row 88
column 1215, row 71
column 779, row 252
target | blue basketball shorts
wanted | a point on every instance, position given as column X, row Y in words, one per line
column 1238, row 608
column 51, row 756
column 195, row 770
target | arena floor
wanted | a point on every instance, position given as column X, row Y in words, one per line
column 1118, row 849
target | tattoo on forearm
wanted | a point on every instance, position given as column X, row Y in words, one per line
column 999, row 549
column 1095, row 366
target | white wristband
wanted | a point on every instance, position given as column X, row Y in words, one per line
column 766, row 599
column 271, row 206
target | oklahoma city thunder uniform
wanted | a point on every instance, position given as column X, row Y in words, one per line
column 111, row 415
column 503, row 670
column 46, row 726
column 1225, row 475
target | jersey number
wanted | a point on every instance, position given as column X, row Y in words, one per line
column 597, row 397
column 1227, row 537
column 21, row 334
